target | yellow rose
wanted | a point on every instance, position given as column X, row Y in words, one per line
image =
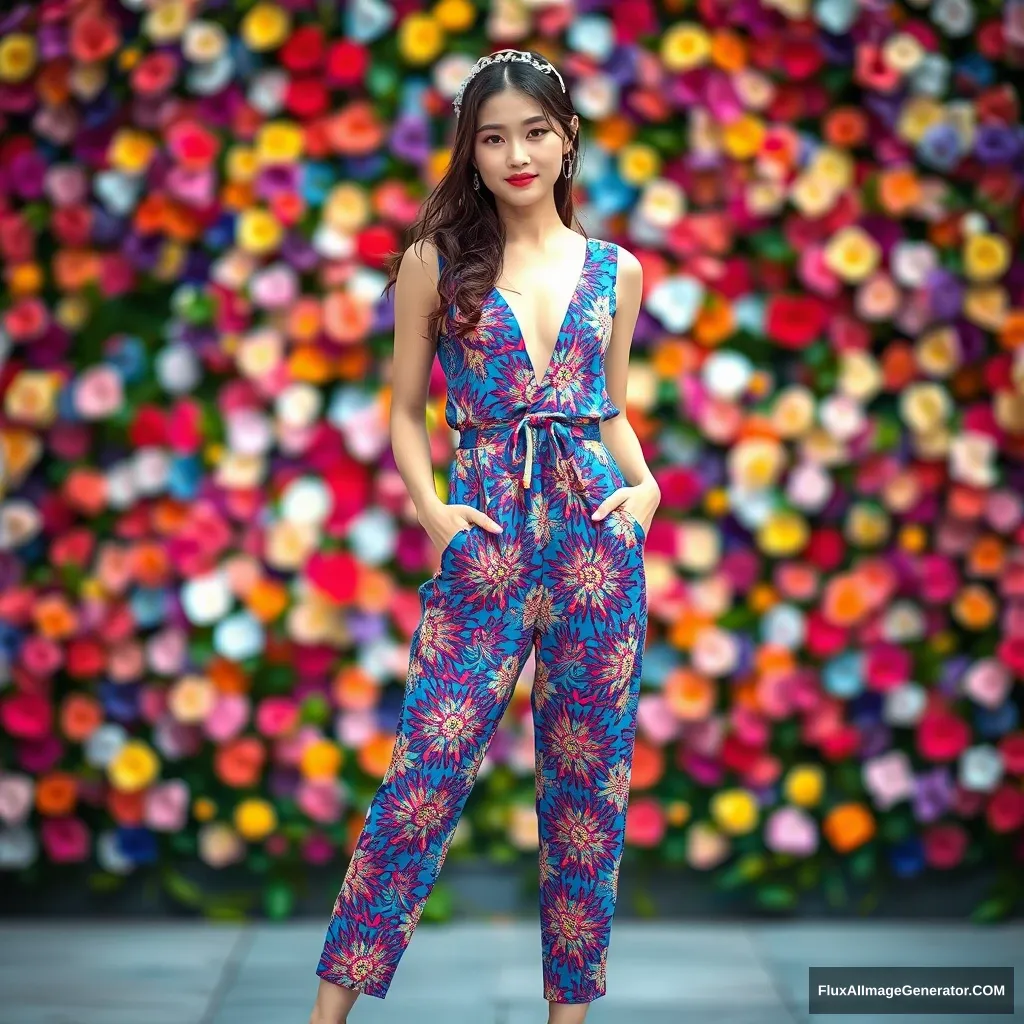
column 756, row 464
column 860, row 376
column 17, row 57
column 920, row 114
column 321, row 759
column 743, row 137
column 259, row 231
column 166, row 22
column 793, row 412
column 938, row 352
column 987, row 306
column 455, row 15
column 902, row 52
column 685, row 46
column 833, row 166
column 255, row 819
column 700, row 546
column 279, row 143
column 288, row 544
column 764, row 197
column 131, row 151
column 662, row 203
column 735, row 811
column 523, row 827
column 812, row 195
column 347, row 208
column 986, row 257
column 677, row 813
column 191, row 699
column 420, row 38
column 638, row 163
column 265, row 27
column 204, row 42
column 134, row 767
column 31, row 397
column 783, row 533
column 804, row 785
column 318, row 620
column 242, row 164
column 852, row 254
column 925, row 406
column 867, row 527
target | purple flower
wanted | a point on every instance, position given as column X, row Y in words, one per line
column 940, row 147
column 997, row 144
column 410, row 139
column 933, row 793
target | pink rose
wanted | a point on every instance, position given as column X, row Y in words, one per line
column 65, row 840
column 167, row 806
column 317, row 849
column 228, row 718
column 16, row 792
column 645, row 822
column 945, row 845
column 26, row 715
column 887, row 666
column 40, row 656
column 276, row 716
column 987, row 682
column 889, row 778
column 791, row 830
column 320, row 801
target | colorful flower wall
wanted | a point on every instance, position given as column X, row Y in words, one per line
column 208, row 563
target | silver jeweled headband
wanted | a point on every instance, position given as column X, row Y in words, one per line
column 494, row 58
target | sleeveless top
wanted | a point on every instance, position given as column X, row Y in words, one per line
column 489, row 374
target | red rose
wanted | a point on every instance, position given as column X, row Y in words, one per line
column 86, row 657
column 738, row 756
column 304, row 50
column 942, row 736
column 1011, row 749
column 796, row 321
column 27, row 716
column 840, row 744
column 335, row 574
column 148, row 428
column 347, row 63
column 1011, row 653
column 307, row 98
column 945, row 845
column 1005, row 811
column 826, row 549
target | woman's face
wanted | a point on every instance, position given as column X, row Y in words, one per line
column 515, row 137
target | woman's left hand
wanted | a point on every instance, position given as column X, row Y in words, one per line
column 640, row 501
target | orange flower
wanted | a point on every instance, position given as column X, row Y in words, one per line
column 714, row 322
column 52, row 84
column 56, row 794
column 304, row 320
column 150, row 564
column 354, row 690
column 309, row 364
column 899, row 190
column 966, row 502
column 843, row 602
column 987, row 557
column 54, row 617
column 648, row 765
column 80, row 716
column 346, row 318
column 728, row 50
column 848, row 826
column 1011, row 334
column 267, row 600
column 86, row 490
column 375, row 756
column 614, row 132
column 845, row 127
column 690, row 696
column 898, row 365
column 74, row 269
column 227, row 676
column 975, row 608
column 239, row 762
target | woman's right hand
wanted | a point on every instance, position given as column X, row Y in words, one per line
column 442, row 522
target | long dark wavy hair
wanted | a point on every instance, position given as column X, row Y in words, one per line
column 463, row 222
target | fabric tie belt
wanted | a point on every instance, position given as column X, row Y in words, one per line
column 562, row 429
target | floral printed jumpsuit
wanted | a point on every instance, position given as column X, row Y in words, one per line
column 530, row 455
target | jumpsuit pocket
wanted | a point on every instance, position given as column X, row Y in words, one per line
column 618, row 480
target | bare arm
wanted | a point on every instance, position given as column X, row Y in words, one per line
column 643, row 495
column 415, row 299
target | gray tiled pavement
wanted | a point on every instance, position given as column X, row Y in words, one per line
column 467, row 973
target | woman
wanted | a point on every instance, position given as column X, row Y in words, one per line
column 541, row 541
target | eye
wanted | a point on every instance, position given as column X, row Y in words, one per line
column 543, row 131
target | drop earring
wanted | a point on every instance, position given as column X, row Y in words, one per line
column 567, row 166
column 476, row 181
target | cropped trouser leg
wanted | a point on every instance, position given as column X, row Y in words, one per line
column 447, row 720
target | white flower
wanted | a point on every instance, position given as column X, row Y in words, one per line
column 18, row 848
column 206, row 599
column 151, row 467
column 955, row 17
column 238, row 637
column 298, row 405
column 109, row 855
column 267, row 91
column 904, row 705
column 981, row 768
column 727, row 374
column 784, row 626
column 306, row 500
column 104, row 744
column 177, row 369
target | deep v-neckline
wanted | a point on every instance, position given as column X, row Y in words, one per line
column 561, row 330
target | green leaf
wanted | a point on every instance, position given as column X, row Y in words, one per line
column 644, row 904
column 993, row 909
column 440, row 904
column 776, row 897
column 278, row 900
column 182, row 889
column 103, row 882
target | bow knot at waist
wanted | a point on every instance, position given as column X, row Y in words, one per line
column 562, row 428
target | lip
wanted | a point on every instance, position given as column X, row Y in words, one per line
column 521, row 179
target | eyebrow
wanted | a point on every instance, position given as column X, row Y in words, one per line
column 530, row 120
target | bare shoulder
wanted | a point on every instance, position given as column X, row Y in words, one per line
column 423, row 254
column 630, row 268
